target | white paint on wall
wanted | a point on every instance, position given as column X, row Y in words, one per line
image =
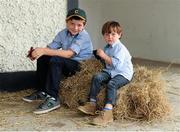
column 151, row 27
column 26, row 23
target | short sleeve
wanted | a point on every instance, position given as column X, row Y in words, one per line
column 56, row 43
column 76, row 46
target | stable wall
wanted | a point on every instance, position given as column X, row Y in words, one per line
column 26, row 23
column 151, row 27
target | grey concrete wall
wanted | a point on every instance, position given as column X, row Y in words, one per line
column 26, row 23
column 151, row 27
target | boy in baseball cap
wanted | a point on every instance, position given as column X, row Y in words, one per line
column 60, row 58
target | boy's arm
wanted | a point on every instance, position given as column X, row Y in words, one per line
column 38, row 52
column 57, row 41
column 104, row 56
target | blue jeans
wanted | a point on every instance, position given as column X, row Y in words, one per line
column 112, row 85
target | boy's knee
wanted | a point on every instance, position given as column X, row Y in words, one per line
column 56, row 59
column 43, row 58
column 97, row 77
column 111, row 84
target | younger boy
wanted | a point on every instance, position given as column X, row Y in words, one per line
column 118, row 72
column 60, row 58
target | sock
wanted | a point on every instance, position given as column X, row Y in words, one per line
column 107, row 109
column 92, row 100
column 53, row 98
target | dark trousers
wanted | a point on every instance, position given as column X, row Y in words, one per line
column 51, row 70
column 113, row 84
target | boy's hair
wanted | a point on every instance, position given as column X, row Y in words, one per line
column 76, row 18
column 110, row 26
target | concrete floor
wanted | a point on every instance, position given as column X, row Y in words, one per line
column 21, row 118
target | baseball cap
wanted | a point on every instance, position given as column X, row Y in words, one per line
column 76, row 12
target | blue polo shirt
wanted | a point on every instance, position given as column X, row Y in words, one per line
column 80, row 44
column 121, row 60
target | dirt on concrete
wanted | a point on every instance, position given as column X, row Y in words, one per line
column 17, row 115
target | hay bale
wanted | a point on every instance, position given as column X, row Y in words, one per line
column 75, row 89
column 142, row 99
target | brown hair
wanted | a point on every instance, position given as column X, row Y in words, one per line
column 110, row 26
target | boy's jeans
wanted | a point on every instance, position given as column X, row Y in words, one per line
column 51, row 70
column 112, row 85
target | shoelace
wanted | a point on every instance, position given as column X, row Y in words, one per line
column 100, row 113
column 43, row 103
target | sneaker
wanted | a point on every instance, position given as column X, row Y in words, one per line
column 89, row 108
column 48, row 105
column 35, row 96
column 103, row 118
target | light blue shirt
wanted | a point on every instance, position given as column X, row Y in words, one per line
column 80, row 44
column 121, row 60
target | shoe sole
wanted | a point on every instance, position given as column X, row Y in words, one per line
column 46, row 111
column 103, row 124
column 30, row 101
column 85, row 112
column 27, row 100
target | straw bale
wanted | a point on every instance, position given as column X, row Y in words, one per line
column 142, row 99
column 75, row 89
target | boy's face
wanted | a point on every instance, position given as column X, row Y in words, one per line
column 75, row 26
column 112, row 37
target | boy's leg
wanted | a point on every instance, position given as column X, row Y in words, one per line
column 41, row 76
column 96, row 83
column 97, row 80
column 57, row 67
column 112, row 86
column 41, row 72
column 106, row 115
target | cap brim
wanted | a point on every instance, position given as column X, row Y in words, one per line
column 77, row 16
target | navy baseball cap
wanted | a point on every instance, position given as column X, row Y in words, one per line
column 76, row 12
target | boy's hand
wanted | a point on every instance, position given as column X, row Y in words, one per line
column 95, row 55
column 30, row 53
column 100, row 53
column 37, row 52
column 104, row 56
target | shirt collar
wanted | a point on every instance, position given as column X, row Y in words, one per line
column 68, row 33
column 112, row 45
